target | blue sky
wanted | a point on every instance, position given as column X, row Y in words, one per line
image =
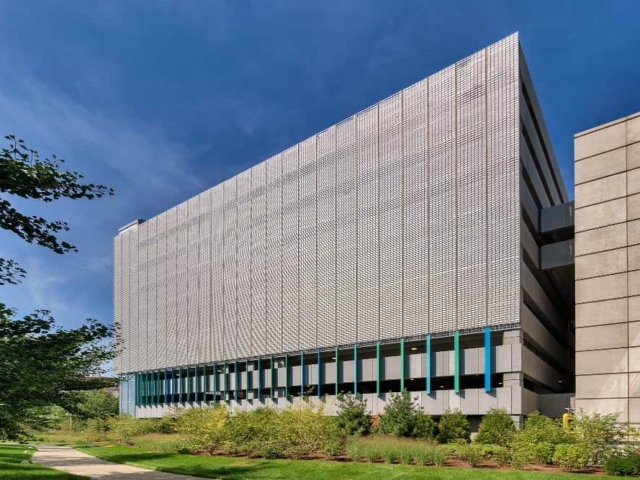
column 162, row 100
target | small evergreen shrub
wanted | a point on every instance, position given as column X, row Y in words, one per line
column 496, row 428
column 571, row 457
column 600, row 432
column 454, row 426
column 400, row 416
column 425, row 426
column 352, row 418
column 623, row 466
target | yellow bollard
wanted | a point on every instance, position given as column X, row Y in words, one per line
column 566, row 418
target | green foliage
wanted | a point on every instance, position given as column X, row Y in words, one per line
column 473, row 454
column 600, row 432
column 426, row 427
column 571, row 457
column 400, row 416
column 255, row 432
column 34, row 344
column 390, row 453
column 536, row 442
column 203, row 429
column 623, row 466
column 355, row 450
column 496, row 428
column 438, row 457
column 352, row 418
column 453, row 426
column 124, row 428
column 97, row 404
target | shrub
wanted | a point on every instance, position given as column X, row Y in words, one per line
column 598, row 431
column 496, row 428
column 352, row 418
column 247, row 431
column 124, row 428
column 400, row 416
column 307, row 430
column 498, row 454
column 537, row 441
column 202, row 429
column 473, row 454
column 623, row 466
column 453, row 426
column 571, row 457
column 426, row 427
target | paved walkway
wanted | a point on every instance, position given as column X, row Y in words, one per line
column 78, row 463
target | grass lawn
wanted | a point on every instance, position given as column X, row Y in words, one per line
column 226, row 468
column 10, row 466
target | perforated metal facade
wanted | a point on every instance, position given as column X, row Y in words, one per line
column 400, row 221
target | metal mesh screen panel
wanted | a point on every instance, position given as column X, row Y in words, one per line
column 403, row 220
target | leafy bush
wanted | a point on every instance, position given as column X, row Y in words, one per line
column 253, row 432
column 453, row 426
column 498, row 454
column 307, row 430
column 203, row 429
column 124, row 428
column 496, row 428
column 536, row 442
column 571, row 457
column 426, row 427
column 474, row 454
column 400, row 416
column 352, row 418
column 600, row 432
column 623, row 466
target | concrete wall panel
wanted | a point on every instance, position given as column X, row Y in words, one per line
column 601, row 288
column 601, row 337
column 598, row 166
column 602, row 361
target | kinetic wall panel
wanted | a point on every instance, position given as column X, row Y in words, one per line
column 171, row 341
column 230, row 270
column 182, row 284
column 326, row 237
column 368, row 296
column 162, row 291
column 416, row 201
column 391, row 217
column 346, row 208
column 290, row 238
column 274, row 254
column 217, row 273
column 442, row 202
column 152, row 294
column 307, row 246
column 503, row 234
column 204, row 277
column 119, row 362
column 142, row 293
column 471, row 200
column 259, row 330
column 244, row 265
column 193, row 280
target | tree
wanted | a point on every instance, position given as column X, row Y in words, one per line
column 97, row 404
column 496, row 428
column 25, row 175
column 42, row 364
column 400, row 416
column 453, row 426
column 352, row 418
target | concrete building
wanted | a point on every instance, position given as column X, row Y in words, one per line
column 423, row 243
column 607, row 266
